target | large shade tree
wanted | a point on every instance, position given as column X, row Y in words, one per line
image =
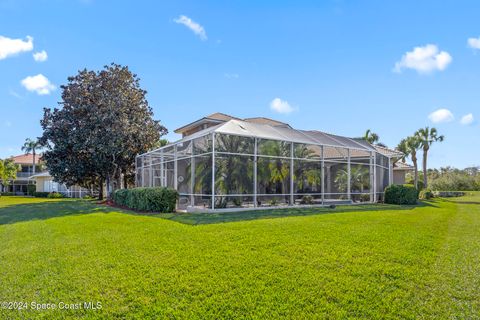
column 103, row 123
column 427, row 136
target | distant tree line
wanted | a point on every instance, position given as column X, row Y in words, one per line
column 453, row 179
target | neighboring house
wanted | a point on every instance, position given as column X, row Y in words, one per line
column 42, row 179
column 19, row 185
column 226, row 162
column 400, row 170
column 44, row 183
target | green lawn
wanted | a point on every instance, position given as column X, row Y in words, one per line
column 374, row 262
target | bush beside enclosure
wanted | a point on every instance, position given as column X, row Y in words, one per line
column 147, row 199
column 401, row 194
column 426, row 194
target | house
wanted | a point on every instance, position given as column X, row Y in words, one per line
column 19, row 185
column 45, row 183
column 42, row 179
column 224, row 162
column 400, row 170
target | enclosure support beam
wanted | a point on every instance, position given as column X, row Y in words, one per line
column 291, row 174
column 390, row 171
column 349, row 179
column 213, row 170
column 151, row 172
column 323, row 175
column 374, row 178
column 175, row 168
column 143, row 172
column 162, row 171
column 192, row 181
column 255, row 201
column 372, row 172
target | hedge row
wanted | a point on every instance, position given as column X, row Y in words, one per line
column 147, row 199
column 41, row 194
column 401, row 194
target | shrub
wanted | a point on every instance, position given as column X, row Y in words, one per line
column 31, row 189
column 147, row 199
column 307, row 199
column 426, row 194
column 7, row 194
column 55, row 195
column 41, row 194
column 87, row 197
column 401, row 194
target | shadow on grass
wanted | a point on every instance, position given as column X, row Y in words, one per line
column 45, row 210
column 224, row 217
column 461, row 201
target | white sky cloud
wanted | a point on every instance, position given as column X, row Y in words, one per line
column 424, row 60
column 10, row 47
column 192, row 25
column 281, row 106
column 441, row 115
column 231, row 75
column 40, row 56
column 467, row 119
column 474, row 43
column 39, row 84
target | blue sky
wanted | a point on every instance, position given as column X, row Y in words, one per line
column 337, row 66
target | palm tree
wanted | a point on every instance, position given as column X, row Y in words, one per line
column 427, row 136
column 371, row 137
column 359, row 178
column 409, row 146
column 32, row 146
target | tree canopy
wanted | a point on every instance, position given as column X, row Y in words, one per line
column 103, row 123
column 8, row 171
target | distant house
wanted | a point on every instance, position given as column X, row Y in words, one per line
column 19, row 185
column 44, row 183
column 42, row 179
column 400, row 170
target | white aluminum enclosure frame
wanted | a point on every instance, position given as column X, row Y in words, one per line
column 162, row 158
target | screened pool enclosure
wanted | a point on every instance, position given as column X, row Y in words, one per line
column 238, row 164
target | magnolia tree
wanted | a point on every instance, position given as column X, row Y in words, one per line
column 104, row 121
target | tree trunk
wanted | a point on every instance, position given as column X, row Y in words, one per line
column 415, row 165
column 425, row 178
column 100, row 190
column 108, row 182
column 33, row 162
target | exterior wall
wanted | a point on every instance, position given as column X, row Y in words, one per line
column 73, row 191
column 399, row 176
column 40, row 183
column 198, row 128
